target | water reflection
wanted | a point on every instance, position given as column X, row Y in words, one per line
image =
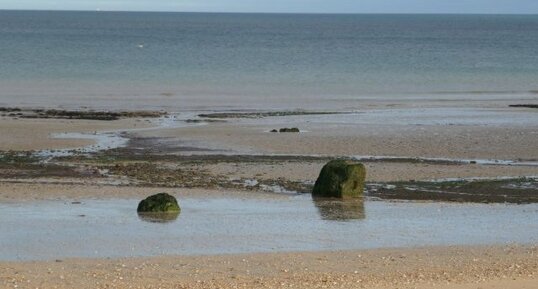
column 340, row 210
column 158, row 217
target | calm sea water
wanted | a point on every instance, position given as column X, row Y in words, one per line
column 83, row 57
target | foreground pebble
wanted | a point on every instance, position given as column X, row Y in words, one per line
column 443, row 267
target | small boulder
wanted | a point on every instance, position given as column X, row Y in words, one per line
column 340, row 179
column 274, row 130
column 159, row 203
column 293, row 129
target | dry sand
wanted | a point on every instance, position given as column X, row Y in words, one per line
column 507, row 267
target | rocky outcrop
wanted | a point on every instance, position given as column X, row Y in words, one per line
column 340, row 179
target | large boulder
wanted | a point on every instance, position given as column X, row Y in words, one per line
column 340, row 179
column 159, row 203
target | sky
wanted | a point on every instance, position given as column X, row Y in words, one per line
column 286, row 6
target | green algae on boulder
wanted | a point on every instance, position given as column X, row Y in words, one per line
column 340, row 179
column 159, row 203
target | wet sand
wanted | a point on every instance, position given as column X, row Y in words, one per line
column 507, row 267
column 31, row 191
column 416, row 131
column 497, row 132
column 377, row 172
column 36, row 134
column 369, row 139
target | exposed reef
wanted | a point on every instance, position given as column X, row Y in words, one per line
column 514, row 190
column 263, row 114
column 286, row 130
column 139, row 168
column 77, row 114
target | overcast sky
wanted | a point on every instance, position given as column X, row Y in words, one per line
column 308, row 6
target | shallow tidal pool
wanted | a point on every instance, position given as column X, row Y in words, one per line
column 49, row 230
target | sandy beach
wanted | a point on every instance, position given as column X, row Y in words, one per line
column 239, row 160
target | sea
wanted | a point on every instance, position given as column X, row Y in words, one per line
column 256, row 61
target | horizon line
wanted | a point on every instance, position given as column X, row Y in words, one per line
column 265, row 12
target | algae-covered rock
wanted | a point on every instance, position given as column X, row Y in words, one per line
column 340, row 179
column 159, row 203
column 292, row 129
